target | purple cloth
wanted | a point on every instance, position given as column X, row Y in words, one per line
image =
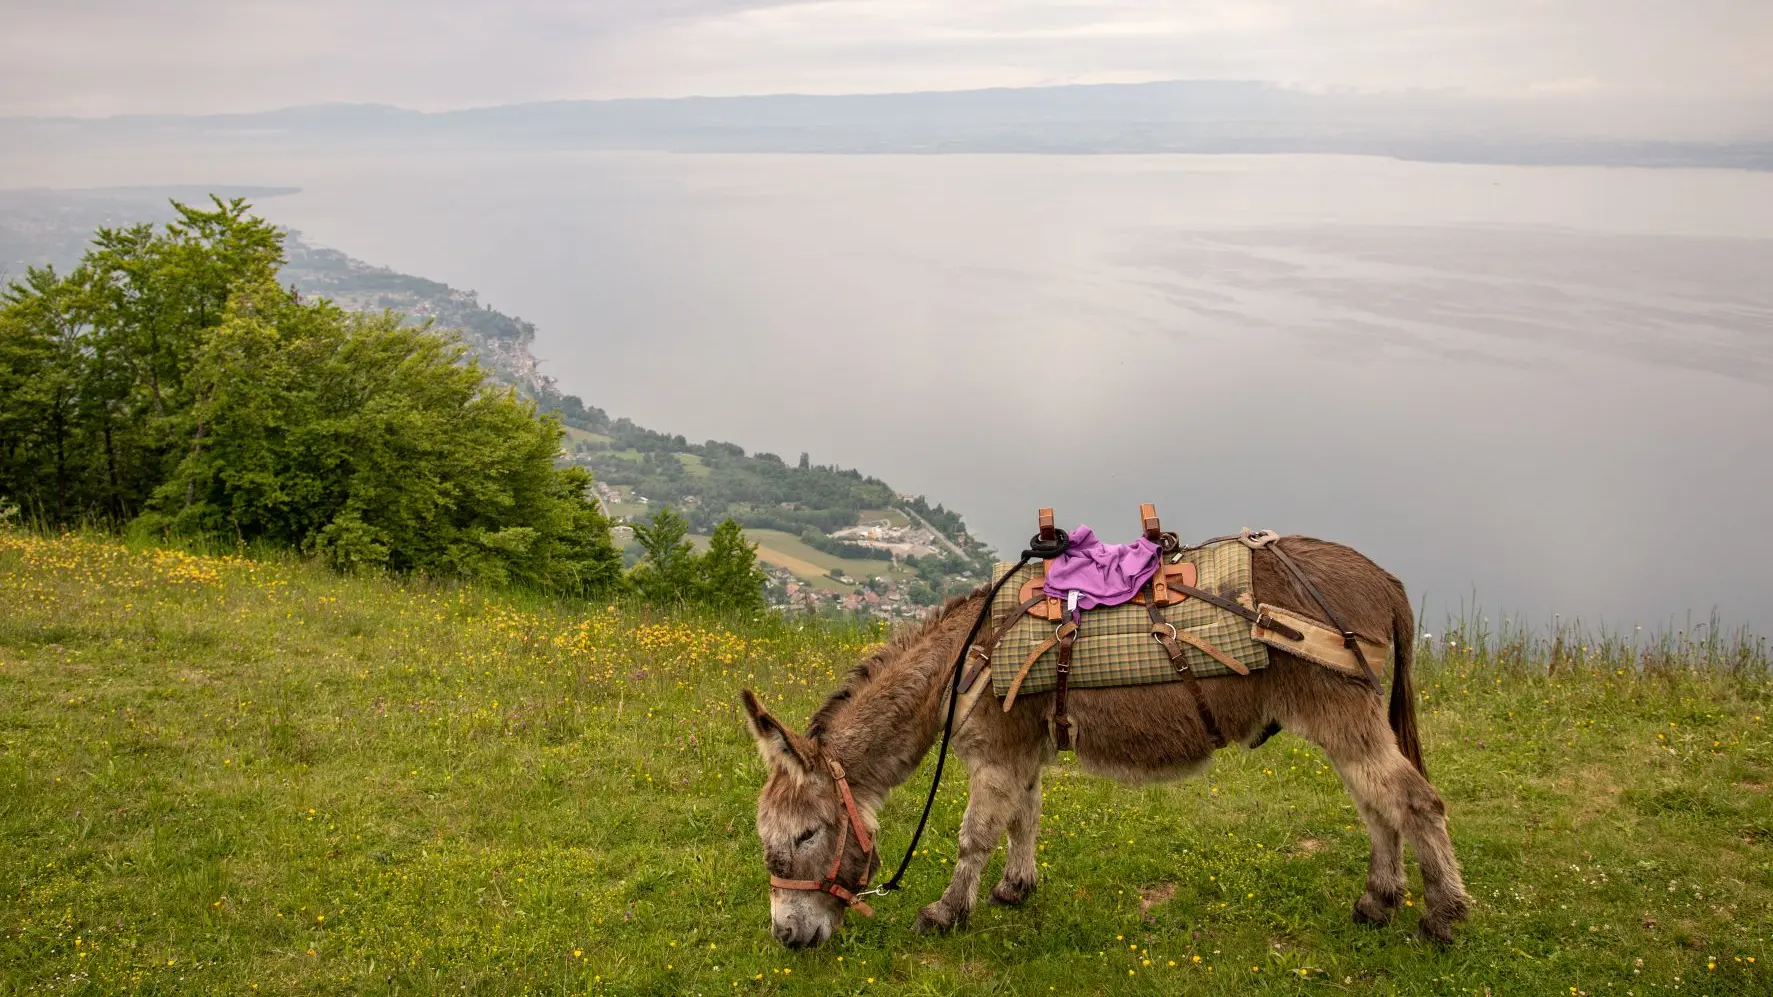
column 1102, row 574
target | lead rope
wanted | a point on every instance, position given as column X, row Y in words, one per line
column 1038, row 550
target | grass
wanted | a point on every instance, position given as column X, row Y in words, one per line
column 221, row 775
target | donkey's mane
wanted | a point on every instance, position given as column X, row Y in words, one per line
column 868, row 668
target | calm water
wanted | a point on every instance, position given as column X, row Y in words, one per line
column 1550, row 386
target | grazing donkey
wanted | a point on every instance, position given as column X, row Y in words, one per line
column 816, row 814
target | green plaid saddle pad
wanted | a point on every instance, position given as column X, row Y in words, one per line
column 1114, row 644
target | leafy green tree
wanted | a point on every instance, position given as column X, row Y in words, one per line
column 669, row 570
column 43, row 450
column 171, row 384
column 122, row 329
column 730, row 578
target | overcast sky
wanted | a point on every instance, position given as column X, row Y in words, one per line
column 94, row 57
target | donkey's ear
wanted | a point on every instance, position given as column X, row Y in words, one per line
column 781, row 747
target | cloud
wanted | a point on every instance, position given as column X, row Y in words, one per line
column 109, row 56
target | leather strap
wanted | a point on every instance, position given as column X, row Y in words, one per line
column 1350, row 639
column 985, row 648
column 1238, row 609
column 1043, row 647
column 1166, row 634
column 1209, row 650
column 850, row 809
column 1061, row 721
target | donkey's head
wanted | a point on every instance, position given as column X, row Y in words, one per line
column 800, row 818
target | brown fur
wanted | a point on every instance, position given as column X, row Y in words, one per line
column 886, row 715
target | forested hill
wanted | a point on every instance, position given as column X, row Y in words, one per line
column 829, row 536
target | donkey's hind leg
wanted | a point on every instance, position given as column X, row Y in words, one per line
column 1385, row 870
column 1382, row 781
column 994, row 799
column 1393, row 799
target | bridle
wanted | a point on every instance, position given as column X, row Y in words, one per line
column 850, row 894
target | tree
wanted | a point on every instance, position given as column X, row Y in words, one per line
column 668, row 571
column 730, row 577
column 42, row 450
column 169, row 383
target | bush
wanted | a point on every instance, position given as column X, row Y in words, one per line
column 726, row 577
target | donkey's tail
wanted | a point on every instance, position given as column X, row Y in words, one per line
column 1403, row 686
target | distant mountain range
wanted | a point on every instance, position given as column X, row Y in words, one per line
column 1173, row 117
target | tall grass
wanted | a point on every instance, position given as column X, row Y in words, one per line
column 1571, row 649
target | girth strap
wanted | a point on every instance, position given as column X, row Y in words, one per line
column 1067, row 636
column 1166, row 634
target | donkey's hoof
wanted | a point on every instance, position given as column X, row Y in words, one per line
column 1437, row 922
column 1436, row 930
column 935, row 919
column 1011, row 893
column 1372, row 908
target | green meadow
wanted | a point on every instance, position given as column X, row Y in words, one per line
column 223, row 774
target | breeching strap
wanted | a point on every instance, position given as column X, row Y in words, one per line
column 1349, row 638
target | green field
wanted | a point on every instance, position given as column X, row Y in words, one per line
column 893, row 516
column 693, row 464
column 812, row 564
column 221, row 775
column 785, row 550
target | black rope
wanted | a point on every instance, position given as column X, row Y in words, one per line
column 1038, row 549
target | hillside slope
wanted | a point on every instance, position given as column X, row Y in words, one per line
column 220, row 775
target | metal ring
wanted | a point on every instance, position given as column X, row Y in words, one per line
column 1174, row 633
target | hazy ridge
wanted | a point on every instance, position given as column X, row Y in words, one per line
column 1196, row 116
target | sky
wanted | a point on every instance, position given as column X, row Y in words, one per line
column 102, row 57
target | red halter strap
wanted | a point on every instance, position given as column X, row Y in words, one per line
column 851, row 820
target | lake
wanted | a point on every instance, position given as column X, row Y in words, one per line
column 1552, row 387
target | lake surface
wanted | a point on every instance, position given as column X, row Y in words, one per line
column 1550, row 386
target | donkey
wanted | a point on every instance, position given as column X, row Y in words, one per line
column 872, row 733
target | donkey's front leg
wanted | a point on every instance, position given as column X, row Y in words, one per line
column 992, row 798
column 1019, row 867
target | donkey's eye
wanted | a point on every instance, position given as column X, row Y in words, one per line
column 806, row 836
